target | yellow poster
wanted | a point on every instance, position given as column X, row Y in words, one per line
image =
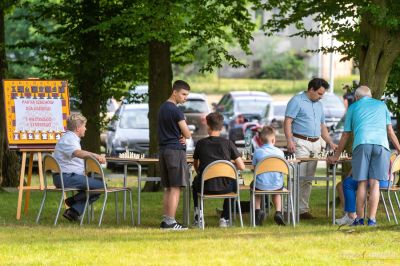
column 36, row 111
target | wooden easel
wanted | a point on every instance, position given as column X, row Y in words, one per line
column 28, row 187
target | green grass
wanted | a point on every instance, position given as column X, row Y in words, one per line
column 311, row 242
column 212, row 85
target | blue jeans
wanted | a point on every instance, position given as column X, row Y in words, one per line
column 72, row 180
column 350, row 189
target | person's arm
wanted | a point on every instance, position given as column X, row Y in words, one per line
column 184, row 129
column 287, row 127
column 325, row 136
column 346, row 103
column 239, row 163
column 340, row 148
column 393, row 138
column 196, row 164
column 82, row 154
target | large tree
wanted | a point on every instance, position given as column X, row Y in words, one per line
column 8, row 159
column 175, row 30
column 96, row 60
column 369, row 31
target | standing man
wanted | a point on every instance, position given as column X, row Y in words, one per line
column 172, row 133
column 69, row 155
column 369, row 121
column 304, row 125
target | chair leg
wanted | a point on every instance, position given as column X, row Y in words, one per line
column 104, row 207
column 240, row 212
column 384, row 205
column 391, row 206
column 253, row 210
column 41, row 206
column 230, row 212
column 397, row 200
column 292, row 209
column 84, row 209
column 116, row 206
column 59, row 208
column 131, row 204
column 201, row 218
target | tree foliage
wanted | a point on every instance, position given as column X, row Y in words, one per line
column 97, row 61
column 369, row 31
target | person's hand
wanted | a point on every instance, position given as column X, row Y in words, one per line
column 332, row 159
column 182, row 140
column 100, row 158
column 290, row 146
column 333, row 146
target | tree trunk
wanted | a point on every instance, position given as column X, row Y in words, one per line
column 89, row 76
column 9, row 165
column 377, row 54
column 160, row 79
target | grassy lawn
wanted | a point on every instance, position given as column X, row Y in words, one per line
column 311, row 242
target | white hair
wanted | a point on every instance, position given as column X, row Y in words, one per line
column 363, row 91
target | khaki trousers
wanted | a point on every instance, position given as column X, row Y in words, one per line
column 303, row 149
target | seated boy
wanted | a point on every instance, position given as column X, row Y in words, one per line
column 268, row 181
column 211, row 149
column 350, row 192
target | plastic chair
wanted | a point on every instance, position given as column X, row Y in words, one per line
column 271, row 164
column 393, row 186
column 51, row 165
column 92, row 168
column 220, row 168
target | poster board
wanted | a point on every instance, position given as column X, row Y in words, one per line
column 36, row 112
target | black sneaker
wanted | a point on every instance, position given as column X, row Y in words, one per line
column 69, row 201
column 278, row 218
column 71, row 215
column 174, row 226
column 260, row 215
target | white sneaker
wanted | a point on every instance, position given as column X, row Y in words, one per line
column 223, row 223
column 345, row 220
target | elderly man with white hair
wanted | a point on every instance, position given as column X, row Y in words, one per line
column 369, row 121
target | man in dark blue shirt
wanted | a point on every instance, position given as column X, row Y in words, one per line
column 172, row 134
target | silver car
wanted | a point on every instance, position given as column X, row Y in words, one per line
column 129, row 131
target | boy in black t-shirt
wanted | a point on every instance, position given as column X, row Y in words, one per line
column 211, row 149
column 172, row 134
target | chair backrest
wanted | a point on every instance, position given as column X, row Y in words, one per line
column 395, row 169
column 49, row 163
column 220, row 168
column 93, row 167
column 272, row 164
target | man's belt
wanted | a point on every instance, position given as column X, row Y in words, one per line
column 305, row 138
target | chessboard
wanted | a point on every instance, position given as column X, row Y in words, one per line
column 344, row 156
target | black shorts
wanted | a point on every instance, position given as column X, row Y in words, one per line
column 173, row 168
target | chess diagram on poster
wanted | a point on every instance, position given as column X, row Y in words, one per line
column 36, row 111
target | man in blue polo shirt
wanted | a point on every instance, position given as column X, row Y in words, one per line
column 369, row 121
column 304, row 125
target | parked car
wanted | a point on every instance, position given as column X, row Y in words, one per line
column 248, row 105
column 196, row 109
column 334, row 109
column 130, row 131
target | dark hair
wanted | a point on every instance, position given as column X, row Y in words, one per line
column 266, row 132
column 179, row 85
column 317, row 83
column 215, row 121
